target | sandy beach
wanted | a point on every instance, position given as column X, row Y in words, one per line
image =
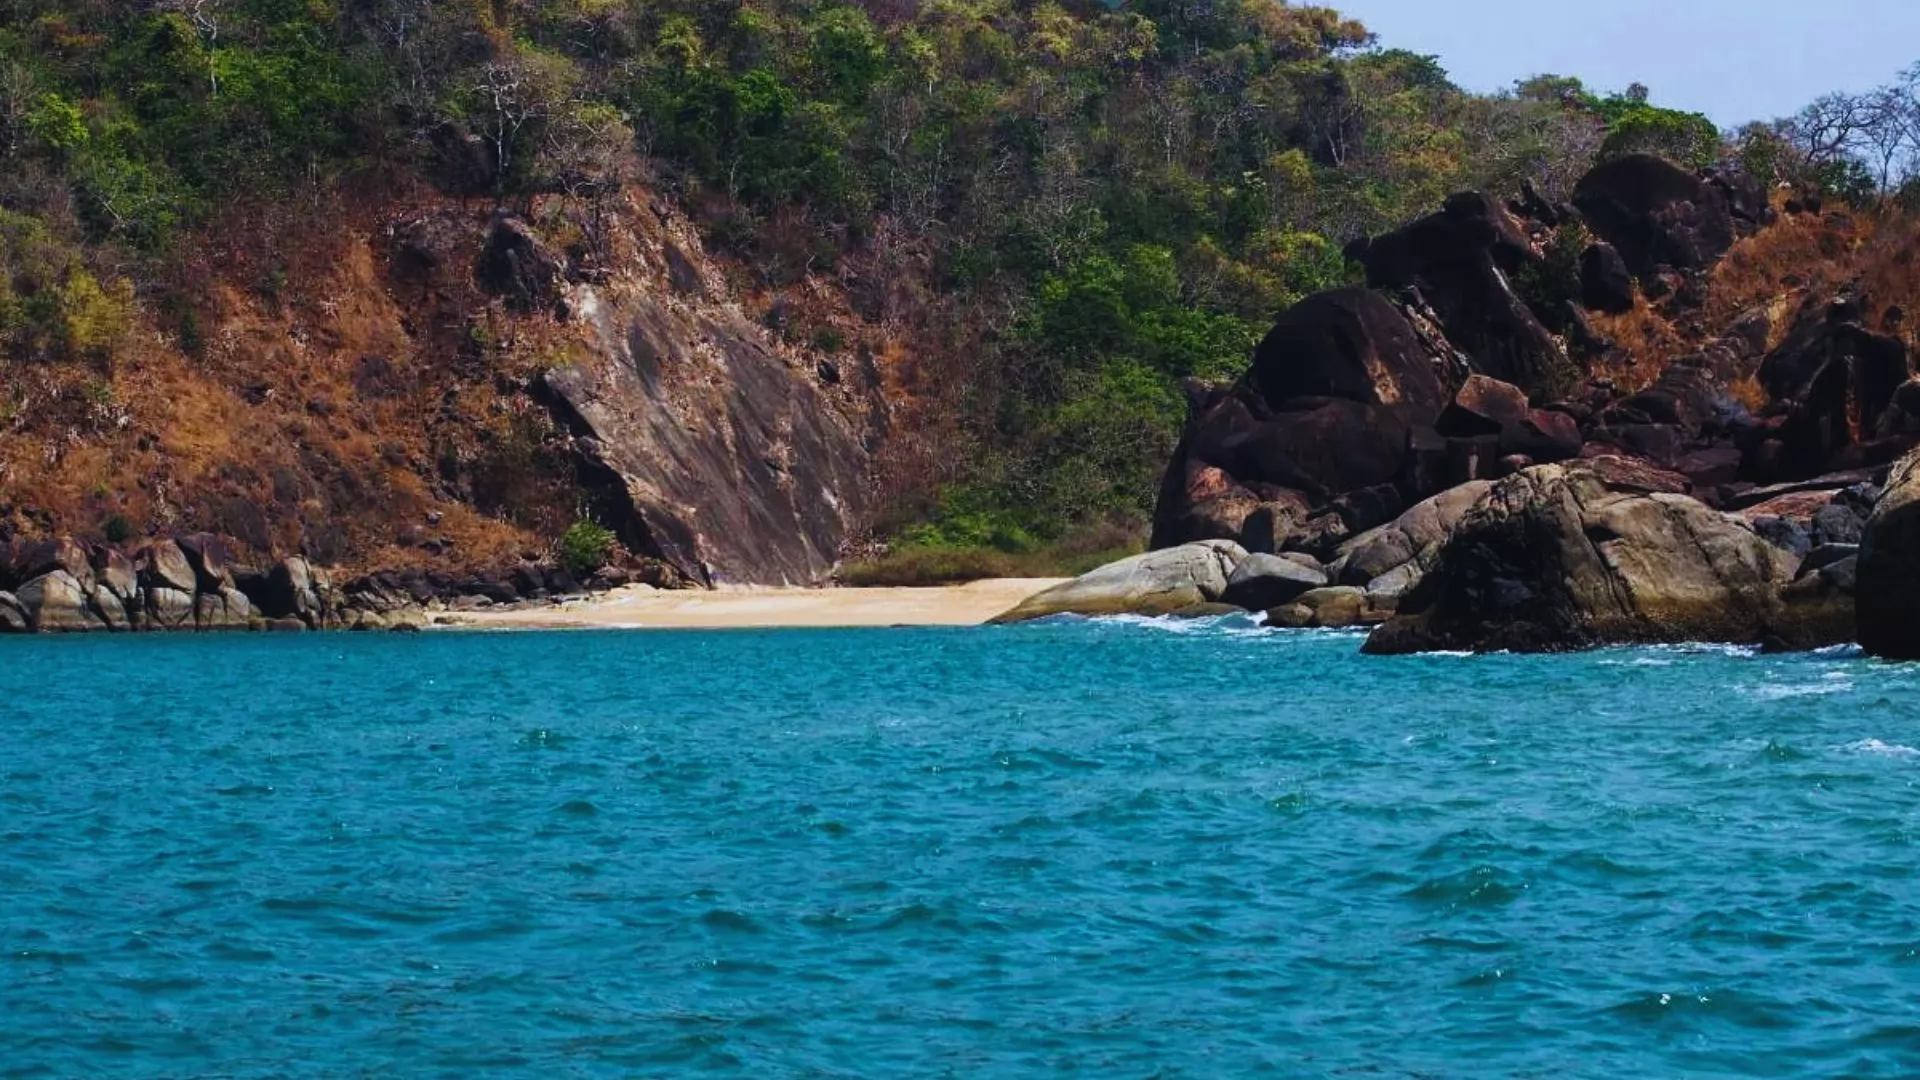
column 646, row 608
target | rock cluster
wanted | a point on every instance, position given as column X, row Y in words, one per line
column 190, row 583
column 1435, row 442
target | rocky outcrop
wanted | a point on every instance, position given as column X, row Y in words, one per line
column 711, row 452
column 1554, row 558
column 1166, row 582
column 1657, row 215
column 1835, row 384
column 1329, row 410
column 1463, row 261
column 1888, row 568
column 1387, row 562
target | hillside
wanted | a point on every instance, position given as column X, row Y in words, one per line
column 397, row 284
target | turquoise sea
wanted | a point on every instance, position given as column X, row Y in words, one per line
column 1103, row 849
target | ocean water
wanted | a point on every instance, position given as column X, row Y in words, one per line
column 1104, row 849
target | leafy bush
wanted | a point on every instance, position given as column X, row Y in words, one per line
column 584, row 547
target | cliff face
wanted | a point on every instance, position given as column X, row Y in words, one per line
column 429, row 384
column 715, row 453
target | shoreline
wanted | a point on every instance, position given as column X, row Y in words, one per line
column 641, row 607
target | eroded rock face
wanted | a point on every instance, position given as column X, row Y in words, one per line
column 728, row 463
column 1889, row 568
column 1463, row 261
column 1164, row 582
column 1555, row 559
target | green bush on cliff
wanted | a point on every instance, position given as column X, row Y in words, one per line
column 584, row 547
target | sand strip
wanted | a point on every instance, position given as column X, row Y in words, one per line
column 645, row 608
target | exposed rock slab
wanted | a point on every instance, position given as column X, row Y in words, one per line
column 729, row 464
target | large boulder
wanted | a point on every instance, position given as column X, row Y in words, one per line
column 57, row 602
column 1605, row 282
column 1464, row 261
column 116, row 585
column 292, row 589
column 1656, row 214
column 13, row 615
column 1157, row 583
column 1354, row 345
column 208, row 555
column 163, row 565
column 29, row 561
column 1388, row 562
column 222, row 609
column 518, row 266
column 1889, row 568
column 1265, row 581
column 1555, row 559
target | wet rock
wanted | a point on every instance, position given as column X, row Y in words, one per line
column 1889, row 568
column 1262, row 581
column 1555, row 559
column 1336, row 607
column 169, row 608
column 1156, row 583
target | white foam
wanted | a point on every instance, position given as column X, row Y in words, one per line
column 1779, row 692
column 1884, row 749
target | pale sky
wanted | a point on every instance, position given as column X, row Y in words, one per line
column 1735, row 60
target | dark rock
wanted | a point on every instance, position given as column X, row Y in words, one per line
column 207, row 555
column 518, row 266
column 1710, row 468
column 1544, row 436
column 1784, row 533
column 1261, row 582
column 1352, row 345
column 1656, row 214
column 1889, row 568
column 1605, row 282
column 1827, row 555
column 1463, row 261
column 1333, row 447
column 1838, row 523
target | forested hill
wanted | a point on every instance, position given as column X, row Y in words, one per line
column 995, row 235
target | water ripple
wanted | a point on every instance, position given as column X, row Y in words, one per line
column 1117, row 848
